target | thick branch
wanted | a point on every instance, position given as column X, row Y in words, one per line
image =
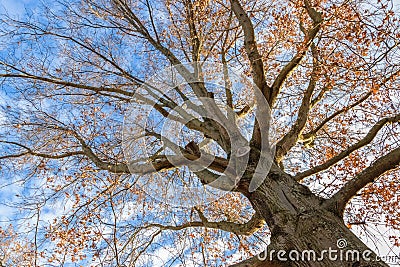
column 194, row 36
column 291, row 138
column 248, row 228
column 112, row 167
column 193, row 79
column 388, row 162
column 312, row 133
column 164, row 163
column 334, row 115
column 255, row 59
column 366, row 140
column 219, row 181
column 250, row 45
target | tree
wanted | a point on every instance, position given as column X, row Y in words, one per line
column 328, row 70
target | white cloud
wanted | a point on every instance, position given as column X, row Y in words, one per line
column 13, row 7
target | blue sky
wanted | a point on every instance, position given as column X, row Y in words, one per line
column 16, row 7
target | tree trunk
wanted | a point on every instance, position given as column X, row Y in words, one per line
column 301, row 226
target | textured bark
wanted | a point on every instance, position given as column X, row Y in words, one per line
column 298, row 221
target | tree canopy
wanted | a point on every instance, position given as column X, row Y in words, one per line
column 285, row 112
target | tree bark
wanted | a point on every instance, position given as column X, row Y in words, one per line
column 300, row 225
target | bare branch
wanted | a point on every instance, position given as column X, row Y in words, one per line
column 295, row 61
column 86, row 151
column 29, row 151
column 365, row 141
column 198, row 88
column 65, row 83
column 192, row 122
